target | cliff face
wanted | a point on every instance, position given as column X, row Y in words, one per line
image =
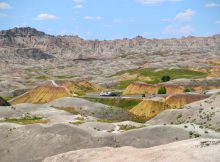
column 75, row 47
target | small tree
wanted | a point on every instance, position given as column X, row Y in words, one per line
column 165, row 78
column 162, row 90
column 187, row 89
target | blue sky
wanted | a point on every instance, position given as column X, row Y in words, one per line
column 111, row 19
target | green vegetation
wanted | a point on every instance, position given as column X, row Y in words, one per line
column 42, row 77
column 162, row 90
column 129, row 127
column 117, row 102
column 217, row 130
column 196, row 135
column 61, row 77
column 138, row 119
column 8, row 98
column 67, row 109
column 77, row 122
column 165, row 78
column 107, row 121
column 187, row 89
column 124, row 84
column 156, row 76
column 179, row 116
column 25, row 120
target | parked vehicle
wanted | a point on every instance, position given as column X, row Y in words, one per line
column 108, row 94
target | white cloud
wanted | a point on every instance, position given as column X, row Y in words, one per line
column 211, row 5
column 182, row 16
column 46, row 16
column 150, row 1
column 78, row 1
column 89, row 18
column 185, row 16
column 155, row 1
column 93, row 18
column 4, row 5
column 78, row 6
column 183, row 30
column 3, row 15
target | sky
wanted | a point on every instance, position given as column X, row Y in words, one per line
column 114, row 19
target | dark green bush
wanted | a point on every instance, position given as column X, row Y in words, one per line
column 162, row 90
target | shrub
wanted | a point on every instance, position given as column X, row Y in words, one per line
column 162, row 90
column 188, row 89
column 165, row 78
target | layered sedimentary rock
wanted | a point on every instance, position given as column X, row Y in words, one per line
column 178, row 100
column 76, row 47
column 42, row 94
column 150, row 108
column 143, row 88
column 54, row 90
column 80, row 87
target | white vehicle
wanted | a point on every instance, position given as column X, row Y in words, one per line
column 105, row 94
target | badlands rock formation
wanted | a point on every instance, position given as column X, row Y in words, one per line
column 205, row 113
column 149, row 108
column 143, row 88
column 28, row 53
column 52, row 90
column 179, row 100
column 196, row 150
column 42, row 94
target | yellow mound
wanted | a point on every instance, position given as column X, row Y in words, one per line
column 178, row 100
column 143, row 88
column 46, row 93
column 148, row 108
column 81, row 87
column 42, row 94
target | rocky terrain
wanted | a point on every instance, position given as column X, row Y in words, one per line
column 36, row 56
column 188, row 150
column 51, row 108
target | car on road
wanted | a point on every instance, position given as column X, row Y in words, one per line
column 108, row 94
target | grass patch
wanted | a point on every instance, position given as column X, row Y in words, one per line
column 157, row 75
column 61, row 77
column 67, row 109
column 124, row 84
column 107, row 121
column 217, row 130
column 8, row 98
column 77, row 122
column 129, row 127
column 25, row 120
column 42, row 77
column 126, row 104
